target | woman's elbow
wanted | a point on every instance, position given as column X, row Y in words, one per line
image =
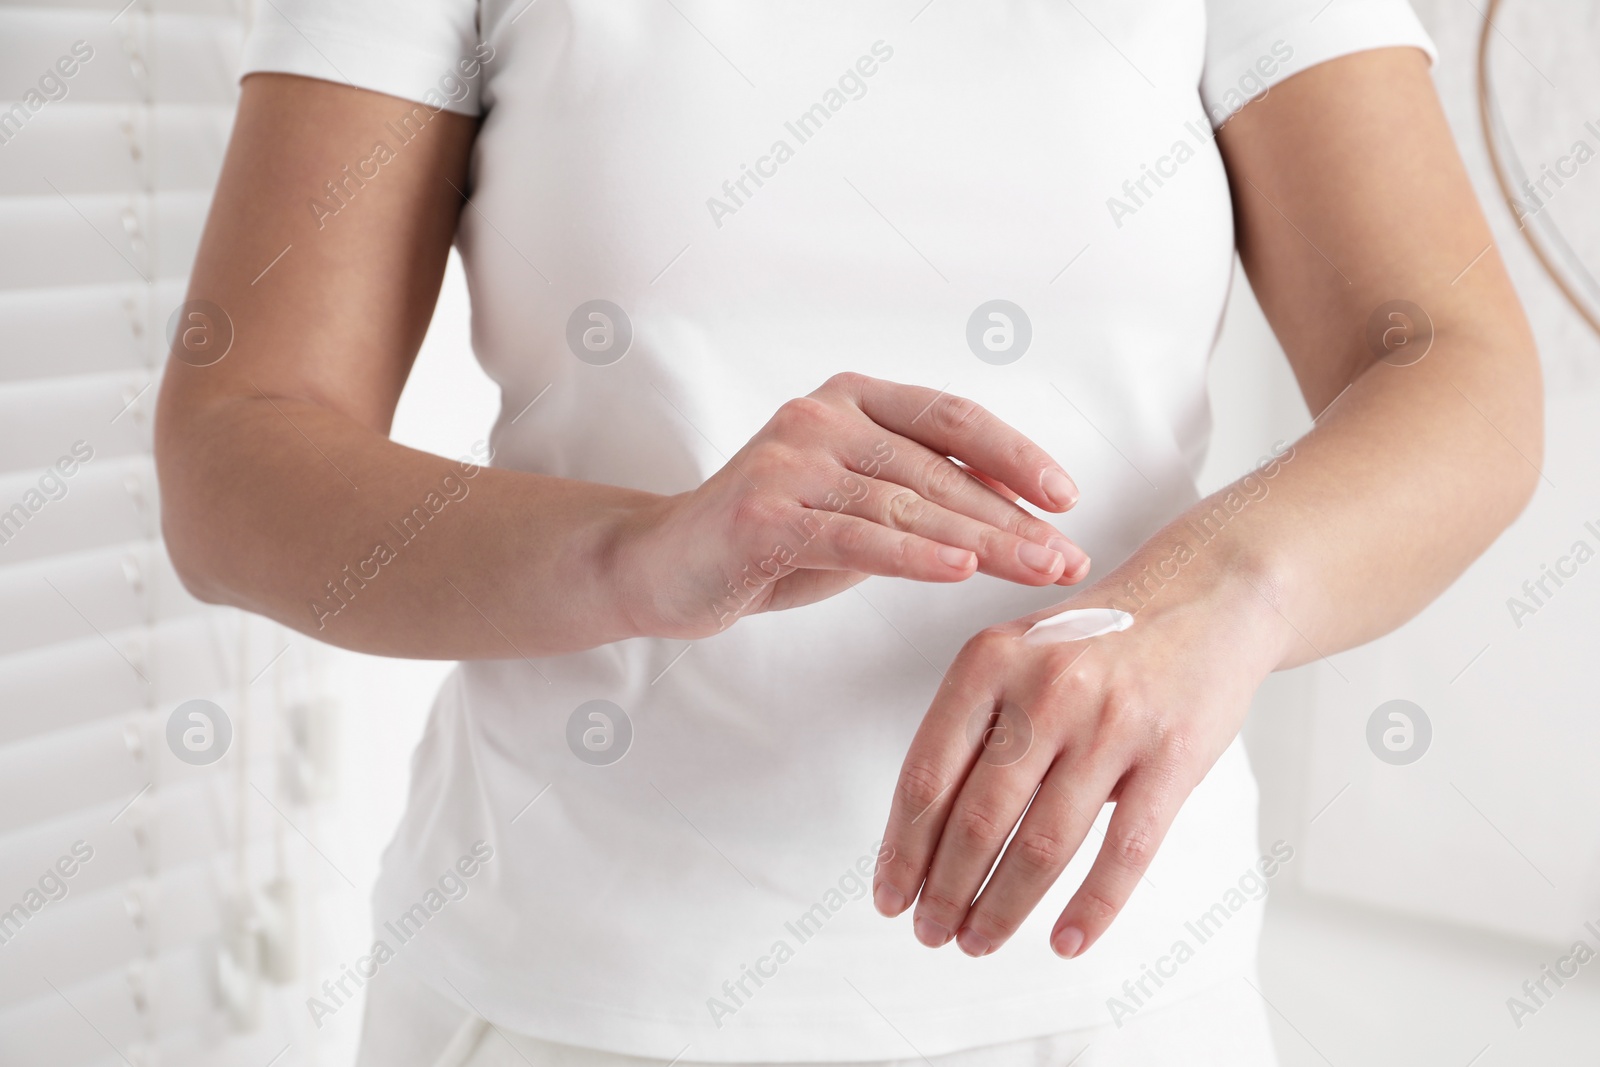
column 188, row 522
column 190, row 545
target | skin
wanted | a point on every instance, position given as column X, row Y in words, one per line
column 1404, row 481
column 1408, row 475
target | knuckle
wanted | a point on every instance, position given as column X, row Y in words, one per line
column 1074, row 677
column 939, row 904
column 1023, row 454
column 902, row 509
column 946, row 480
column 993, row 544
column 847, row 381
column 1040, row 853
column 979, row 826
column 902, row 554
column 921, row 786
column 1134, row 846
column 899, row 870
column 853, row 542
column 802, row 414
column 988, row 646
column 993, row 925
column 956, row 416
column 1122, row 712
column 1098, row 906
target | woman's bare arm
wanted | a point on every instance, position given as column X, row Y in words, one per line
column 279, row 482
column 1349, row 195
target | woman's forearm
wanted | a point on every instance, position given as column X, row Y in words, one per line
column 292, row 509
column 1348, row 533
column 1406, row 479
column 287, row 509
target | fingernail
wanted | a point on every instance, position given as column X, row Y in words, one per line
column 888, row 900
column 955, row 557
column 1067, row 943
column 930, row 933
column 1039, row 557
column 1059, row 488
column 972, row 942
column 1077, row 559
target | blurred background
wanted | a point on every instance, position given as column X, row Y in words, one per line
column 1447, row 848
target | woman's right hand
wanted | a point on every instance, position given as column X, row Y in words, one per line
column 852, row 480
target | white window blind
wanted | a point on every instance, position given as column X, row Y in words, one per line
column 175, row 941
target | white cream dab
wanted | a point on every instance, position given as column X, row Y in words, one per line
column 1077, row 624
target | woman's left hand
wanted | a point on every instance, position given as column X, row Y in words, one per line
column 1058, row 730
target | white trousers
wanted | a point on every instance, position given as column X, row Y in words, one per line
column 407, row 1024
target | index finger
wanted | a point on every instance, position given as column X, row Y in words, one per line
column 937, row 763
column 955, row 426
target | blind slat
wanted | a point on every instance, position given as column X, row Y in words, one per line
column 56, row 239
column 108, row 502
column 42, row 422
column 122, row 587
column 105, row 148
column 167, row 59
column 65, row 685
column 85, row 329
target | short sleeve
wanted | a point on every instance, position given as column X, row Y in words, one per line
column 423, row 50
column 1251, row 45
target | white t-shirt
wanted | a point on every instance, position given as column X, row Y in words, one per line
column 771, row 193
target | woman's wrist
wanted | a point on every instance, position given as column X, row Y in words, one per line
column 643, row 582
column 581, row 562
column 1237, row 586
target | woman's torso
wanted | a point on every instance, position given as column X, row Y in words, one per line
column 931, row 161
